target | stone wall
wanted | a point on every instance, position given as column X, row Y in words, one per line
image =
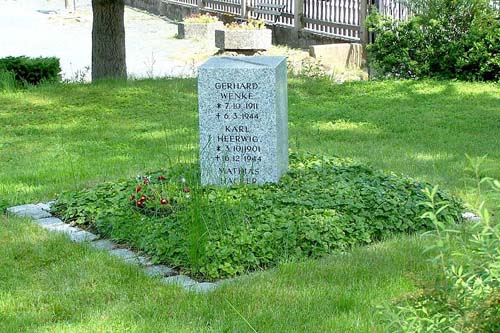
column 175, row 11
column 152, row 6
column 283, row 35
column 342, row 56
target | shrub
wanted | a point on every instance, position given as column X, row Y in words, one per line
column 454, row 39
column 320, row 206
column 32, row 70
column 467, row 299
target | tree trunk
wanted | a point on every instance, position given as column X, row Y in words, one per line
column 108, row 40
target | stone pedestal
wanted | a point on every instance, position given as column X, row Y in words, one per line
column 243, row 107
column 243, row 39
column 198, row 30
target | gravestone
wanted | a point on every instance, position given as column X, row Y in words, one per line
column 243, row 107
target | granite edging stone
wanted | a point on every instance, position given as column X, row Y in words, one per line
column 40, row 214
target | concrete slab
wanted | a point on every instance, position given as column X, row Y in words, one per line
column 103, row 244
column 82, row 236
column 29, row 210
column 160, row 270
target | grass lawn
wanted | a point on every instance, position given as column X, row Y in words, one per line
column 48, row 284
column 56, row 138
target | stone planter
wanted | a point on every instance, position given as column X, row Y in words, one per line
column 198, row 30
column 243, row 39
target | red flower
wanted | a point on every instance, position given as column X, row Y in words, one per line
column 163, row 201
column 138, row 189
column 132, row 197
column 144, row 198
column 139, row 203
column 186, row 190
column 145, row 181
column 160, row 178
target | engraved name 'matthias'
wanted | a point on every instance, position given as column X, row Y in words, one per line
column 239, row 171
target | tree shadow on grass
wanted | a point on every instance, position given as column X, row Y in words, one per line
column 66, row 135
column 61, row 136
column 423, row 129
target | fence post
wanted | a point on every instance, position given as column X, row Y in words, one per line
column 363, row 31
column 200, row 4
column 244, row 9
column 298, row 15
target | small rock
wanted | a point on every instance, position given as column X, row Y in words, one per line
column 103, row 244
column 29, row 210
column 471, row 217
column 159, row 270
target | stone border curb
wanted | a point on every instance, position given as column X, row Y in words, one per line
column 40, row 214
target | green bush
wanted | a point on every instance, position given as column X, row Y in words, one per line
column 320, row 206
column 452, row 39
column 32, row 71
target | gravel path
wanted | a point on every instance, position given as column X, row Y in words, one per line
column 44, row 28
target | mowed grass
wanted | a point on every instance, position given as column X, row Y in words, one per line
column 61, row 137
column 48, row 284
column 57, row 138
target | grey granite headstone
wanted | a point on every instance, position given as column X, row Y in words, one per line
column 243, row 107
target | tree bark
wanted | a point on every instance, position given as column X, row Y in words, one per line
column 108, row 40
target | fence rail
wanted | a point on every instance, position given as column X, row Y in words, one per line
column 186, row 2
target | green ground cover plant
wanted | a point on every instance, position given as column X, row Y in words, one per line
column 320, row 206
column 57, row 138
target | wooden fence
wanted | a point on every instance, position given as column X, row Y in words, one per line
column 341, row 19
column 393, row 8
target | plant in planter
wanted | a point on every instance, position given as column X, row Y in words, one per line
column 249, row 35
column 199, row 26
